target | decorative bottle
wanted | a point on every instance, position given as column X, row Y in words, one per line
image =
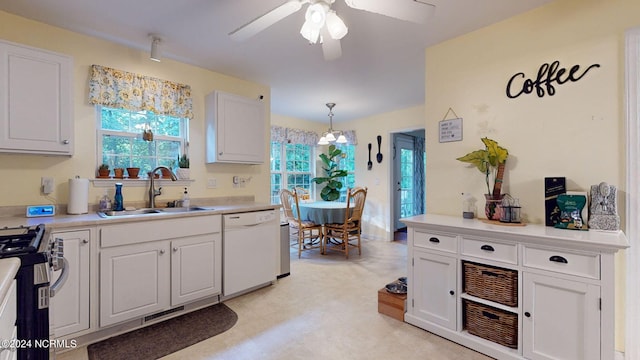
column 118, row 201
column 105, row 202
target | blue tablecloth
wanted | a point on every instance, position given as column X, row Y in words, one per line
column 323, row 212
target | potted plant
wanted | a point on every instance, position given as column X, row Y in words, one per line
column 183, row 172
column 103, row 171
column 491, row 162
column 118, row 173
column 133, row 172
column 331, row 190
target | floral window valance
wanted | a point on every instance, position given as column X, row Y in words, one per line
column 125, row 90
column 305, row 137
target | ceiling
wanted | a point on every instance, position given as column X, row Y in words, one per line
column 382, row 63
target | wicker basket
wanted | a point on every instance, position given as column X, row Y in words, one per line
column 490, row 323
column 491, row 283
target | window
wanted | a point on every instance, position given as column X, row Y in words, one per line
column 121, row 144
column 347, row 163
column 292, row 166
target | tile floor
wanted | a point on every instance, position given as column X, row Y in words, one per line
column 326, row 309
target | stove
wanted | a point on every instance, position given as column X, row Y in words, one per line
column 38, row 258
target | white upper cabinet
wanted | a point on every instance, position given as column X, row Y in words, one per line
column 36, row 106
column 236, row 129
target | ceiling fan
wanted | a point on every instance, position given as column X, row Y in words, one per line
column 323, row 25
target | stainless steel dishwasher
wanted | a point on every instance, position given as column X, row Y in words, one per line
column 250, row 247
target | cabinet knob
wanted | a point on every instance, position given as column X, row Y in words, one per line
column 527, row 314
column 220, row 153
column 162, row 251
column 451, row 292
column 66, row 142
column 175, row 249
column 85, row 241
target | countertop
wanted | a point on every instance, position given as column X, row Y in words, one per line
column 8, row 269
column 92, row 219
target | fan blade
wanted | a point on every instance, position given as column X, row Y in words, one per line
column 408, row 10
column 264, row 21
column 331, row 48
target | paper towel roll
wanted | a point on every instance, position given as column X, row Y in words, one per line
column 78, row 196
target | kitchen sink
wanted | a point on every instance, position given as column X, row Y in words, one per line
column 148, row 211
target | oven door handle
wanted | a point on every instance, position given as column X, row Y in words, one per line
column 64, row 274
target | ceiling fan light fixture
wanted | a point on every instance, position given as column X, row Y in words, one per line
column 310, row 33
column 336, row 27
column 317, row 14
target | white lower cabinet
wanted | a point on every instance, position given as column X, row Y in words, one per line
column 561, row 318
column 134, row 281
column 69, row 308
column 194, row 262
column 564, row 292
column 435, row 278
column 153, row 266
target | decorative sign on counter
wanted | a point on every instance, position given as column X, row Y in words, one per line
column 450, row 129
column 548, row 74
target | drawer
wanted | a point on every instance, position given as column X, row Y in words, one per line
column 8, row 313
column 490, row 250
column 427, row 240
column 587, row 265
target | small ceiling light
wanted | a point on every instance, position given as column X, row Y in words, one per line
column 155, row 49
column 330, row 135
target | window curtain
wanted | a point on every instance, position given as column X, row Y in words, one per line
column 351, row 137
column 125, row 90
column 419, row 177
column 293, row 136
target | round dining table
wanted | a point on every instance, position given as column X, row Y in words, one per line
column 324, row 212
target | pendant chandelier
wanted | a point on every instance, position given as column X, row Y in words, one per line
column 332, row 135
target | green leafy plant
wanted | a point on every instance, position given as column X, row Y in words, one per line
column 489, row 161
column 183, row 161
column 331, row 190
column 103, row 167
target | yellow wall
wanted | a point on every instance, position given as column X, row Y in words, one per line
column 377, row 180
column 578, row 133
column 21, row 173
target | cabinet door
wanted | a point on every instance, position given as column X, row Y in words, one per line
column 36, row 102
column 434, row 288
column 196, row 267
column 236, row 129
column 561, row 318
column 69, row 310
column 134, row 281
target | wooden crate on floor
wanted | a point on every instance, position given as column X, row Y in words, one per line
column 393, row 305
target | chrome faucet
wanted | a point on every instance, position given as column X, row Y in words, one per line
column 152, row 190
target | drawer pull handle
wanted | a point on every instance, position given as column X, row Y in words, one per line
column 489, row 273
column 527, row 314
column 490, row 315
column 558, row 259
column 451, row 292
column 434, row 240
column 487, row 248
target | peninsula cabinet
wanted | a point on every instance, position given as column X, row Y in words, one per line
column 36, row 104
column 235, row 129
column 513, row 292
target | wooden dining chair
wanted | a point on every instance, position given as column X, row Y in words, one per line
column 347, row 234
column 309, row 233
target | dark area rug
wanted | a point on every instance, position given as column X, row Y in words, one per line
column 164, row 338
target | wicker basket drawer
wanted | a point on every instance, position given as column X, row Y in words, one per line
column 490, row 323
column 491, row 283
column 448, row 243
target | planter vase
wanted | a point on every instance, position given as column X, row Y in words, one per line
column 183, row 173
column 118, row 173
column 133, row 172
column 103, row 173
column 166, row 174
column 492, row 209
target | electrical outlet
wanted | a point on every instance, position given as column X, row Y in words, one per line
column 212, row 183
column 236, row 180
column 47, row 185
